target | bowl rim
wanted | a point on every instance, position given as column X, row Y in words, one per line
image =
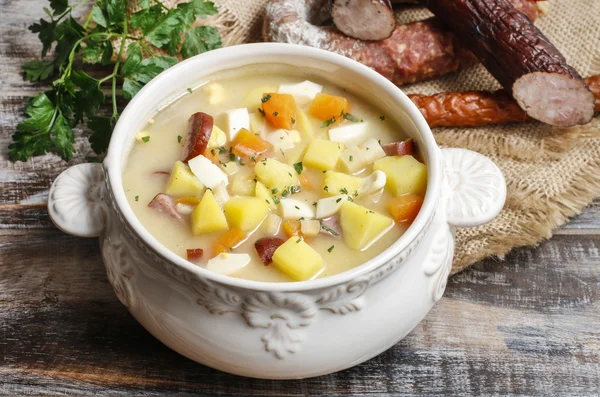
column 255, row 51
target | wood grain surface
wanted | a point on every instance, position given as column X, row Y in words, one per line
column 529, row 325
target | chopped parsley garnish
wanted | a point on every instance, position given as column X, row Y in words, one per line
column 274, row 190
column 253, row 159
column 213, row 152
column 276, row 200
column 285, row 193
column 314, row 203
column 326, row 188
column 179, row 138
column 290, row 174
column 344, row 190
column 338, row 200
column 327, row 123
column 298, row 167
column 137, row 198
column 295, row 189
column 146, row 139
column 351, row 158
column 261, row 112
column 268, row 202
column 351, row 118
column 265, row 98
column 189, row 90
column 293, row 120
column 275, row 114
column 222, row 150
column 296, row 207
column 297, row 241
column 330, row 248
column 381, row 118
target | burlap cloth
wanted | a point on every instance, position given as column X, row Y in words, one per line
column 551, row 174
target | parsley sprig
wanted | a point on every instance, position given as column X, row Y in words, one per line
column 75, row 96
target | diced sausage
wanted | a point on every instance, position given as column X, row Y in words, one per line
column 520, row 57
column 166, row 204
column 194, row 254
column 200, row 127
column 400, row 148
column 364, row 19
column 265, row 247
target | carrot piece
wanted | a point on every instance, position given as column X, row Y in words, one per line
column 305, row 183
column 404, row 209
column 329, row 107
column 228, row 240
column 189, row 200
column 280, row 110
column 247, row 144
column 212, row 155
column 292, row 228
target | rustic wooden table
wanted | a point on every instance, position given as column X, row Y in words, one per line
column 527, row 326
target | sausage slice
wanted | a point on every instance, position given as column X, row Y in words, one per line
column 200, row 127
column 265, row 247
column 364, row 19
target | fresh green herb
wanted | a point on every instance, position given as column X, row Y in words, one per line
column 314, row 203
column 327, row 123
column 261, row 112
column 326, row 188
column 338, row 200
column 234, row 157
column 295, row 189
column 330, row 248
column 298, row 167
column 189, row 90
column 290, row 174
column 146, row 138
column 381, row 118
column 344, row 190
column 137, row 198
column 351, row 118
column 351, row 158
column 253, row 159
column 268, row 202
column 222, row 150
column 285, row 193
column 179, row 138
column 297, row 241
column 350, row 199
column 75, row 97
column 276, row 200
column 274, row 190
column 265, row 98
column 296, row 207
column 355, row 193
column 293, row 120
column 275, row 114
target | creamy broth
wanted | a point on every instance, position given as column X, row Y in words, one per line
column 162, row 147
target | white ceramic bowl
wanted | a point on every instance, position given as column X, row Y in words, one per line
column 278, row 330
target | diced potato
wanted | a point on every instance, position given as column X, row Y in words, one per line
column 183, row 182
column 304, row 124
column 404, row 174
column 280, row 140
column 295, row 154
column 361, row 226
column 310, row 227
column 262, row 192
column 243, row 185
column 221, row 194
column 258, row 124
column 246, row 144
column 297, row 259
column 337, row 183
column 372, row 150
column 349, row 134
column 275, row 174
column 217, row 138
column 245, row 213
column 229, row 167
column 280, row 110
column 208, row 217
column 216, row 93
column 271, row 224
column 326, row 107
column 352, row 160
column 322, row 154
column 254, row 96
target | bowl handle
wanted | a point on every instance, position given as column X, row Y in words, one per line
column 474, row 188
column 77, row 200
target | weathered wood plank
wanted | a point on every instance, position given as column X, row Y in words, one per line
column 528, row 326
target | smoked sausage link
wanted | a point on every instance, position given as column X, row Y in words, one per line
column 200, row 127
column 520, row 57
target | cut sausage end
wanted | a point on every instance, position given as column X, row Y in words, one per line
column 555, row 99
column 364, row 19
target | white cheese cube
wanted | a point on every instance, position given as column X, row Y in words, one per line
column 296, row 209
column 326, row 207
column 216, row 93
column 226, row 263
column 310, row 227
column 207, row 172
column 271, row 224
column 235, row 120
column 280, row 140
column 303, row 92
column 372, row 150
column 349, row 134
column 229, row 167
column 373, row 183
column 353, row 160
column 221, row 194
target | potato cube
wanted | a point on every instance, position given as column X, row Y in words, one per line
column 243, row 185
column 275, row 174
column 361, row 226
column 372, row 150
column 183, row 182
column 271, row 224
column 262, row 192
column 305, row 124
column 404, row 174
column 322, row 154
column 229, row 167
column 352, row 160
column 254, row 96
column 245, row 213
column 310, row 227
column 295, row 154
column 297, row 259
column 337, row 183
column 217, row 138
column 208, row 217
column 258, row 124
